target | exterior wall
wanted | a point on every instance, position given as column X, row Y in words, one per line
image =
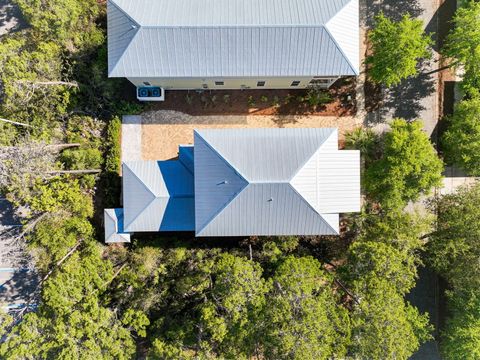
column 229, row 83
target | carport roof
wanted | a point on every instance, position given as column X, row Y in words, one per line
column 233, row 38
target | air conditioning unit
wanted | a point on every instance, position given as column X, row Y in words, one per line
column 150, row 93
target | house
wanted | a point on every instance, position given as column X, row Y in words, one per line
column 231, row 44
column 240, row 182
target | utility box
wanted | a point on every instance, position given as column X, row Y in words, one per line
column 150, row 93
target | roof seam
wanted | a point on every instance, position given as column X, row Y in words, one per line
column 312, row 155
column 335, row 41
column 311, row 207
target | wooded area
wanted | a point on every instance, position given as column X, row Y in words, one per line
column 180, row 298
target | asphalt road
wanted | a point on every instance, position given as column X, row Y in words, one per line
column 16, row 281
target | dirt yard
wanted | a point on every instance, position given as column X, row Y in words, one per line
column 156, row 134
column 339, row 101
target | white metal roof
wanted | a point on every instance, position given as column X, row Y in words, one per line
column 233, row 38
column 113, row 223
column 273, row 182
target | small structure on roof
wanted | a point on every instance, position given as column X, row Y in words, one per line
column 232, row 44
column 240, row 182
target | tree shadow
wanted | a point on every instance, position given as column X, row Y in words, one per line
column 19, row 287
column 405, row 100
column 393, row 9
column 11, row 19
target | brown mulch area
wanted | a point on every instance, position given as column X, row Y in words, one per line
column 260, row 102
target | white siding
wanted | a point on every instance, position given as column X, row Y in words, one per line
column 229, row 83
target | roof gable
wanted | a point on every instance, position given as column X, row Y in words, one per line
column 347, row 40
column 113, row 223
column 157, row 195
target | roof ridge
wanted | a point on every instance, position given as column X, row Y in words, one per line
column 125, row 226
column 311, row 207
column 333, row 131
column 353, row 68
column 234, row 196
column 138, row 26
column 237, row 26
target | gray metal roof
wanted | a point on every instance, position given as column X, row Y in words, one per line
column 233, row 38
column 114, row 231
column 157, row 196
column 273, row 182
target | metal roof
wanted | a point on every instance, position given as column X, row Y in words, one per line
column 114, row 231
column 273, row 182
column 233, row 38
column 157, row 196
column 185, row 155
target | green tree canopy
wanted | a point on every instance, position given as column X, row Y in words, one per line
column 384, row 325
column 461, row 140
column 463, row 43
column 72, row 22
column 72, row 322
column 396, row 49
column 408, row 167
column 461, row 336
column 302, row 318
column 454, row 246
column 454, row 251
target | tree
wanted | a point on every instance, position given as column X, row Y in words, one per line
column 463, row 44
column 72, row 321
column 24, row 61
column 454, row 251
column 461, row 140
column 228, row 315
column 384, row 326
column 396, row 49
column 405, row 231
column 454, row 246
column 461, row 336
column 365, row 140
column 409, row 167
column 302, row 319
column 55, row 235
column 72, row 22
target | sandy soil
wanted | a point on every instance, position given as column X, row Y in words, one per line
column 261, row 102
column 163, row 131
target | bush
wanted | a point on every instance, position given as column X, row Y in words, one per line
column 316, row 97
column 111, row 176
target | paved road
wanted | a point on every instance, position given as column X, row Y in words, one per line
column 415, row 98
column 16, row 280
